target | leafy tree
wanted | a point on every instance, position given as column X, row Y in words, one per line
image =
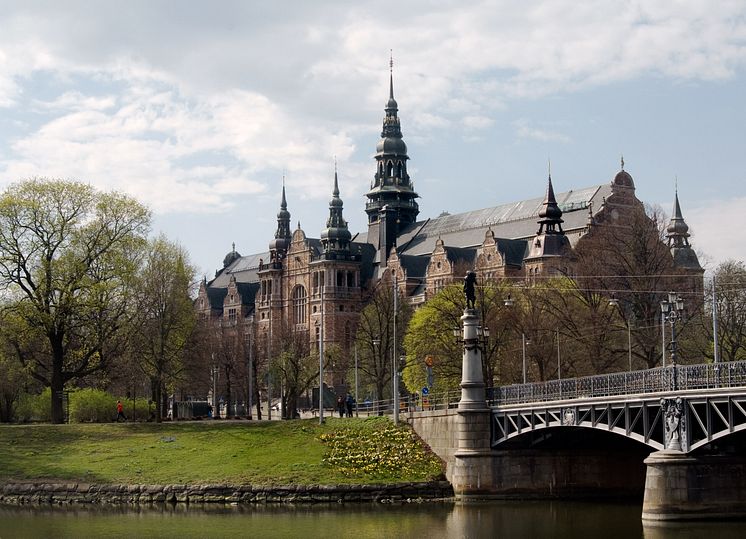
column 430, row 333
column 67, row 257
column 165, row 318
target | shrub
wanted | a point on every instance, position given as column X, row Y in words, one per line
column 33, row 407
column 96, row 406
column 92, row 406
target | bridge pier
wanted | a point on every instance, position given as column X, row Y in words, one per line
column 682, row 487
column 472, row 474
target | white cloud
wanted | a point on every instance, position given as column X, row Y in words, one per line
column 525, row 129
column 210, row 104
column 711, row 224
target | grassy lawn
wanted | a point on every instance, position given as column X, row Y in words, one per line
column 281, row 452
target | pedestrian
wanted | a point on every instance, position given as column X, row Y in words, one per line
column 341, row 406
column 120, row 412
column 350, row 403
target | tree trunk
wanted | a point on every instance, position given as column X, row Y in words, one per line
column 57, row 384
column 257, row 395
column 228, row 396
column 155, row 383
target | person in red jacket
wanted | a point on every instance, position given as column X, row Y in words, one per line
column 120, row 412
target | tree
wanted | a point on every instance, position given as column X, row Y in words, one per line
column 375, row 337
column 164, row 319
column 12, row 375
column 730, row 309
column 67, row 257
column 430, row 333
column 630, row 260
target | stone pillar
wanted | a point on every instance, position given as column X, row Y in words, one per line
column 472, row 475
column 681, row 487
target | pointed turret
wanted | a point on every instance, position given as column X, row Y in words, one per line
column 335, row 238
column 279, row 246
column 392, row 185
column 547, row 251
column 550, row 213
column 677, row 234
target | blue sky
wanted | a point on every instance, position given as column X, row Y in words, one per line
column 198, row 110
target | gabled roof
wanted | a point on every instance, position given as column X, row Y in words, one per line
column 516, row 220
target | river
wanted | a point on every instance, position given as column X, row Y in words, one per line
column 428, row 520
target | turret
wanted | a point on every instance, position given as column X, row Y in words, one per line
column 335, row 238
column 279, row 245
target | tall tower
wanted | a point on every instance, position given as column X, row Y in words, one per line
column 392, row 195
column 278, row 247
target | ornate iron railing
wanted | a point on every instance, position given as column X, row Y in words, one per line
column 658, row 380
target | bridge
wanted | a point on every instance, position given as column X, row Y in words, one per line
column 671, row 434
column 682, row 407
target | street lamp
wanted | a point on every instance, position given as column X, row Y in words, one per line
column 525, row 341
column 376, row 347
column 673, row 311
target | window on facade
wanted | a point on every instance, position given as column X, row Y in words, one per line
column 341, row 308
column 300, row 299
column 340, row 278
column 232, row 315
column 315, row 280
column 350, row 279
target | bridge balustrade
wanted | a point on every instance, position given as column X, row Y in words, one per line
column 657, row 380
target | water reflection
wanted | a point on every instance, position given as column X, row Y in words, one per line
column 431, row 520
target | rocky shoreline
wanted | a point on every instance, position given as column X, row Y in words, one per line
column 40, row 493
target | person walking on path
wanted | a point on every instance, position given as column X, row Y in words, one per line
column 341, row 406
column 349, row 403
column 120, row 412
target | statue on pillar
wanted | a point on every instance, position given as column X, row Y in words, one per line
column 674, row 424
column 470, row 282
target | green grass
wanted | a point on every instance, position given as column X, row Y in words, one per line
column 266, row 453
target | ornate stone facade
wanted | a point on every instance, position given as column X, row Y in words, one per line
column 280, row 290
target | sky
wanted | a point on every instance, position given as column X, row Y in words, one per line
column 198, row 109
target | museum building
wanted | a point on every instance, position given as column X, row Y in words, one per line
column 303, row 283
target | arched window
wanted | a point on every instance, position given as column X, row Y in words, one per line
column 300, row 299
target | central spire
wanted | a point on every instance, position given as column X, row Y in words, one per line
column 392, row 185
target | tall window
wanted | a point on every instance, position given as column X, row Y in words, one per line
column 300, row 299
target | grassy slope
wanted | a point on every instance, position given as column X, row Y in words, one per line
column 208, row 452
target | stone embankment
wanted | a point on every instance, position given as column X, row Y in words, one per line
column 84, row 493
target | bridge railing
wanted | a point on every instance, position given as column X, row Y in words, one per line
column 658, row 380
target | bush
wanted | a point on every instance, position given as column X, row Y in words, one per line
column 92, row 406
column 35, row 407
column 96, row 406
